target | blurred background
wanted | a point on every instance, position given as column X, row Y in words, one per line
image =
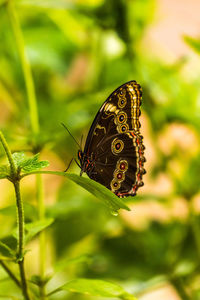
column 79, row 52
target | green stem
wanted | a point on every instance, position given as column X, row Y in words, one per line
column 20, row 250
column 10, row 273
column 8, row 153
column 20, row 216
column 23, row 280
column 180, row 289
column 34, row 123
column 20, row 219
column 25, row 66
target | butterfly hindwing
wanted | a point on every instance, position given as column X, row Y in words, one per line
column 113, row 153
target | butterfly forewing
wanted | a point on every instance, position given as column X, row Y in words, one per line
column 113, row 153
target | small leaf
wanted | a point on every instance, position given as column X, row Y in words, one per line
column 8, row 210
column 193, row 43
column 101, row 192
column 27, row 164
column 95, row 287
column 45, row 3
column 6, row 252
column 37, row 280
column 63, row 263
column 4, row 171
column 32, row 164
column 32, row 229
column 18, row 158
column 61, row 4
column 11, row 243
column 184, row 268
column 29, row 209
column 35, row 227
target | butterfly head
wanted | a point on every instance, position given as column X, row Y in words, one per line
column 81, row 160
column 85, row 163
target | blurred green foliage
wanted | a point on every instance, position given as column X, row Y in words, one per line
column 79, row 52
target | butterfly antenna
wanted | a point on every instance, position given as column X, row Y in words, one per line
column 77, row 163
column 81, row 172
column 69, row 165
column 71, row 135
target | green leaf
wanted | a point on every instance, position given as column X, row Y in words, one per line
column 98, row 190
column 101, row 192
column 4, row 171
column 35, row 227
column 27, row 164
column 63, row 263
column 32, row 229
column 33, row 164
column 6, row 252
column 37, row 280
column 184, row 268
column 193, row 43
column 8, row 210
column 45, row 3
column 61, row 4
column 29, row 209
column 95, row 188
column 18, row 158
column 95, row 287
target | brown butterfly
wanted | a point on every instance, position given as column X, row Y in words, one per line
column 114, row 152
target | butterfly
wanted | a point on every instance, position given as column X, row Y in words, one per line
column 113, row 154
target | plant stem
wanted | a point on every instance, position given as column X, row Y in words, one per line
column 10, row 273
column 8, row 153
column 25, row 66
column 20, row 216
column 20, row 251
column 20, row 220
column 180, row 289
column 34, row 123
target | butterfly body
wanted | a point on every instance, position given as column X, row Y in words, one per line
column 114, row 152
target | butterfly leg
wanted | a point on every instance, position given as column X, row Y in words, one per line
column 69, row 165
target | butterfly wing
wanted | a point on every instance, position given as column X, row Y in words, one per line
column 114, row 149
